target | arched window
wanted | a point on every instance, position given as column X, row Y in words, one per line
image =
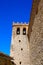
column 18, row 31
column 24, row 31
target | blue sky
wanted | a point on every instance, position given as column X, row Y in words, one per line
column 12, row 10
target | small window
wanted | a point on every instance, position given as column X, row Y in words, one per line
column 19, row 40
column 24, row 31
column 18, row 31
column 20, row 62
column 21, row 49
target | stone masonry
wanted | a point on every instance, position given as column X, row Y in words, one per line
column 36, row 33
column 20, row 44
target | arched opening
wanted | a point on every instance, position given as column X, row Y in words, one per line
column 18, row 31
column 24, row 31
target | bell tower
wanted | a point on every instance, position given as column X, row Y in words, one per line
column 20, row 44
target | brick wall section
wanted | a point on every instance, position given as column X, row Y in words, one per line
column 36, row 37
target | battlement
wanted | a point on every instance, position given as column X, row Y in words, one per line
column 19, row 24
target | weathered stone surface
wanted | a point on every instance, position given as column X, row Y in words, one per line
column 36, row 38
column 20, row 45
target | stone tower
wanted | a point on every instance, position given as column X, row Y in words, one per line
column 20, row 44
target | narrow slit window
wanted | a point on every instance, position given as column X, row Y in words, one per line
column 24, row 31
column 20, row 62
column 18, row 31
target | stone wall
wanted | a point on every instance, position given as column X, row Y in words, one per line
column 19, row 45
column 36, row 36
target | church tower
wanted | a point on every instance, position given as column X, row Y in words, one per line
column 20, row 44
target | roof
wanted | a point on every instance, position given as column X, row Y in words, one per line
column 5, row 56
